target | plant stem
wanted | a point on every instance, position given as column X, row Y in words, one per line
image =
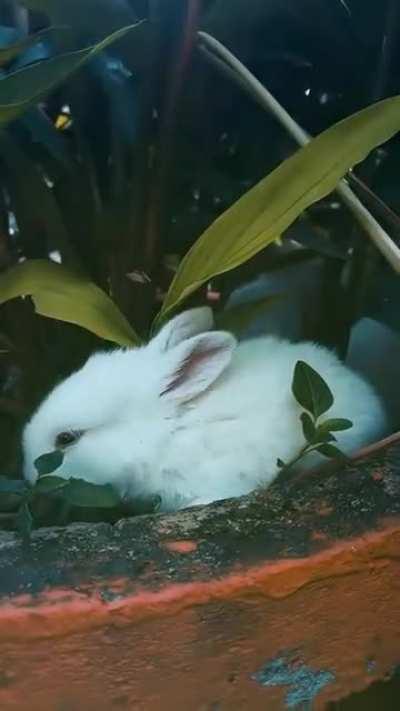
column 177, row 56
column 304, row 450
column 173, row 31
column 364, row 260
column 367, row 222
column 375, row 202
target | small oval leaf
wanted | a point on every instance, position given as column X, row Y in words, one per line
column 50, row 484
column 49, row 462
column 79, row 492
column 328, row 450
column 310, row 390
column 336, row 424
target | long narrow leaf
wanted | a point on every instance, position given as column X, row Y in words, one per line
column 27, row 86
column 261, row 215
column 9, row 53
column 68, row 296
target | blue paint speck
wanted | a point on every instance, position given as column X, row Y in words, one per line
column 305, row 683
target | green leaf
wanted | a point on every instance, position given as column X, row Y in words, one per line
column 237, row 318
column 24, row 522
column 263, row 214
column 324, row 436
column 79, row 492
column 336, row 424
column 310, row 390
column 328, row 450
column 12, row 51
column 48, row 484
column 27, row 86
column 308, row 427
column 49, row 462
column 69, row 296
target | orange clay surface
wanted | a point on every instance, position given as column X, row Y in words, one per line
column 220, row 633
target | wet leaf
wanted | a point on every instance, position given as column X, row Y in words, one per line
column 310, row 390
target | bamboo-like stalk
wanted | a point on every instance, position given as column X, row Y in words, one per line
column 236, row 69
column 364, row 260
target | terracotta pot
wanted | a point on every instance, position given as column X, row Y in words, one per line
column 278, row 600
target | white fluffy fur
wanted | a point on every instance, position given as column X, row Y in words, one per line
column 193, row 416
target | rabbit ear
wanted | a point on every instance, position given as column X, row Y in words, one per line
column 195, row 364
column 184, row 326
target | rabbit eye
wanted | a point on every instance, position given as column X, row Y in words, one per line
column 64, row 439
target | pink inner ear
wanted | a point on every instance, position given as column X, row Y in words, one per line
column 188, row 367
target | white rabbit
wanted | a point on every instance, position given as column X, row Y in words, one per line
column 192, row 417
